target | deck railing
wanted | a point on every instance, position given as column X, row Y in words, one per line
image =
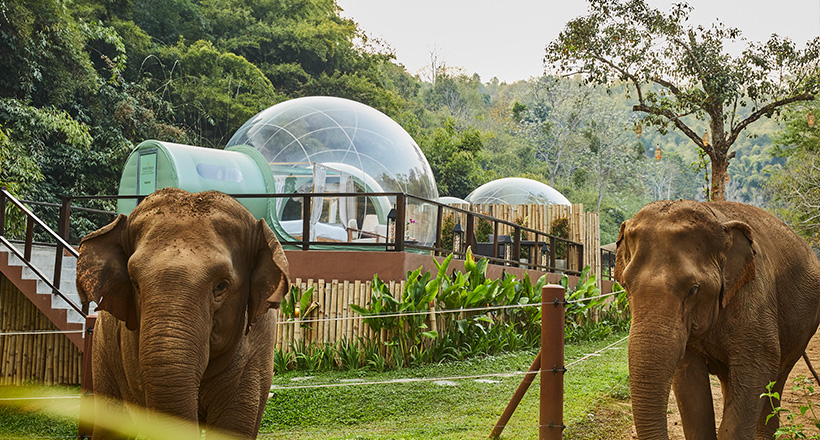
column 11, row 206
column 510, row 244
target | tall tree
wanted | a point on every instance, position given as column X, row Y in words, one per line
column 682, row 76
column 609, row 154
column 555, row 114
column 796, row 186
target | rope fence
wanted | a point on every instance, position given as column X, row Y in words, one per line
column 439, row 312
column 450, row 378
column 41, row 332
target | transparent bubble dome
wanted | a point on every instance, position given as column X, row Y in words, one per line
column 332, row 130
column 327, row 144
column 516, row 191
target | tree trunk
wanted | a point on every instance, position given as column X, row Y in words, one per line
column 720, row 165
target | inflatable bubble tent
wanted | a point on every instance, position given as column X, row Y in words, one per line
column 516, row 191
column 335, row 145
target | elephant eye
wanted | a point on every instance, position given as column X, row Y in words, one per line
column 221, row 287
column 693, row 290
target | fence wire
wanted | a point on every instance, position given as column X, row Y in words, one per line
column 40, row 332
column 439, row 312
column 449, row 378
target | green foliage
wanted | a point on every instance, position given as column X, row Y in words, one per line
column 560, row 228
column 795, row 186
column 464, row 332
column 453, row 156
column 424, row 410
column 792, row 427
column 296, row 305
column 682, row 76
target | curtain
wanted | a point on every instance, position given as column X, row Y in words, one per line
column 319, row 184
column 347, row 205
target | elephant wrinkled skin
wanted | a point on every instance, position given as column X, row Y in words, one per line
column 184, row 286
column 715, row 288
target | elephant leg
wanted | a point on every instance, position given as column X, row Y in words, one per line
column 742, row 403
column 236, row 410
column 694, row 396
column 111, row 419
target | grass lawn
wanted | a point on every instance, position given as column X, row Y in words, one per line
column 458, row 409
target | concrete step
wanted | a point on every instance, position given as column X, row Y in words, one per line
column 43, row 259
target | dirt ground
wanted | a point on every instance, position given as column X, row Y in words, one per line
column 791, row 400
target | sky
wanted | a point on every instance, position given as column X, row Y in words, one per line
column 506, row 39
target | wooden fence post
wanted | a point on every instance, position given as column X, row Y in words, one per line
column 551, row 423
column 550, row 363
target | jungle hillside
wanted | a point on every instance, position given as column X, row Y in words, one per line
column 84, row 81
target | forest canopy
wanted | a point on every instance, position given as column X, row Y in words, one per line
column 87, row 80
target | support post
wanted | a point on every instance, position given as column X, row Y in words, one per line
column 86, row 426
column 401, row 218
column 551, row 423
column 550, row 362
column 516, row 398
column 306, row 214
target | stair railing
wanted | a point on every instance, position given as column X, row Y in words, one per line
column 61, row 247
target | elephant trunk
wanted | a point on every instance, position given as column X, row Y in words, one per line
column 173, row 355
column 653, row 356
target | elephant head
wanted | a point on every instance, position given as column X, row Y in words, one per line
column 681, row 263
column 190, row 274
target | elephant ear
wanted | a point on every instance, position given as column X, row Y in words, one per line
column 739, row 266
column 269, row 276
column 622, row 255
column 102, row 272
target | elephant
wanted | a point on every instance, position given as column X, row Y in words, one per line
column 184, row 287
column 717, row 288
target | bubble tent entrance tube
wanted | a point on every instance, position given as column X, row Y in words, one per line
column 319, row 145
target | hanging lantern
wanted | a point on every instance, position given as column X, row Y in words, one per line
column 705, row 138
column 638, row 130
column 458, row 238
column 658, row 152
column 810, row 119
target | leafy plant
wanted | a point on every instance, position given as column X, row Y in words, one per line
column 282, row 361
column 350, row 354
column 296, row 305
column 792, row 428
column 560, row 228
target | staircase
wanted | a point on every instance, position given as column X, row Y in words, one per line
column 63, row 314
column 31, row 268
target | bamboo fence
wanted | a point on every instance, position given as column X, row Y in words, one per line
column 335, row 320
column 47, row 359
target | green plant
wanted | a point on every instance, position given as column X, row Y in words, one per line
column 295, row 305
column 483, row 229
column 448, row 223
column 350, row 355
column 792, row 428
column 306, row 357
column 560, row 228
column 580, row 307
column 282, row 361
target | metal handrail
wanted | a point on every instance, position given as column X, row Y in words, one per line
column 61, row 245
column 399, row 245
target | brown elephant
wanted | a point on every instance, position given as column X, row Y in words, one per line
column 184, row 287
column 721, row 288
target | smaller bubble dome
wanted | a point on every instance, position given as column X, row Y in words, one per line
column 516, row 191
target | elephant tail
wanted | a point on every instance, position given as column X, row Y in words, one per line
column 811, row 368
